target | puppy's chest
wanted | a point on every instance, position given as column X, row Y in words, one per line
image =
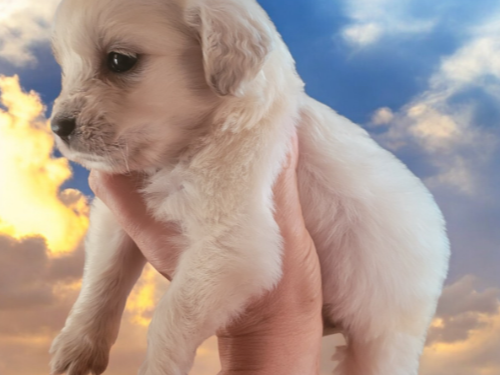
column 163, row 190
column 188, row 199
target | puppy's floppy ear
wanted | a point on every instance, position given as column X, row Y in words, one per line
column 235, row 37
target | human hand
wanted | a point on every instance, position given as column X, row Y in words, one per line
column 280, row 333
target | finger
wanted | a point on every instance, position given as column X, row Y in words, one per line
column 294, row 150
column 286, row 194
column 120, row 194
column 291, row 161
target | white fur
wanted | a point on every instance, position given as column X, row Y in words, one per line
column 208, row 117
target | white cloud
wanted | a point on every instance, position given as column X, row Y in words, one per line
column 362, row 34
column 382, row 116
column 23, row 24
column 457, row 172
column 371, row 20
column 444, row 131
column 474, row 60
column 479, row 57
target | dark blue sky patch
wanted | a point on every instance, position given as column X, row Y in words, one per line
column 301, row 21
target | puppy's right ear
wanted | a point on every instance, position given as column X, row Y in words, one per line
column 236, row 38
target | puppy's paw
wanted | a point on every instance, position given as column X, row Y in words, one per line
column 75, row 353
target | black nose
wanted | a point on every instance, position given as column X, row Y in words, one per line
column 63, row 126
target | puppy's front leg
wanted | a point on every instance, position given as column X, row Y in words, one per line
column 214, row 281
column 112, row 265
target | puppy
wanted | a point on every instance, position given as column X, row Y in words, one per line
column 203, row 97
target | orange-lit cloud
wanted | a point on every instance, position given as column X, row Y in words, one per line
column 465, row 337
column 30, row 203
column 144, row 297
column 41, row 254
column 41, row 232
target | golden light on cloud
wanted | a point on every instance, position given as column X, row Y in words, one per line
column 431, row 124
column 30, row 203
column 382, row 116
column 469, row 356
column 142, row 300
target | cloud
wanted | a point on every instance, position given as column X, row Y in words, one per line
column 462, row 309
column 371, row 20
column 41, row 232
column 441, row 125
column 30, row 201
column 479, row 58
column 35, row 295
column 363, row 34
column 25, row 23
column 465, row 336
column 41, row 228
column 28, row 327
column 382, row 116
column 41, row 249
column 38, row 291
column 143, row 298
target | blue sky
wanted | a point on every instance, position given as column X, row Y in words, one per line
column 423, row 77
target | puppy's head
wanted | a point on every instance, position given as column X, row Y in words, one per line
column 141, row 78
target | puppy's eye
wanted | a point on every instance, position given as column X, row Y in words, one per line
column 119, row 63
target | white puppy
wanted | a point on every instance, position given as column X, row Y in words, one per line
column 203, row 96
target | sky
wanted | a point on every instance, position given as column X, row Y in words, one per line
column 422, row 76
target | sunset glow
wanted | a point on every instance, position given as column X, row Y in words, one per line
column 30, row 202
column 142, row 300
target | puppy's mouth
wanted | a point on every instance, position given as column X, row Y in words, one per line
column 116, row 157
column 92, row 161
column 109, row 157
column 88, row 160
